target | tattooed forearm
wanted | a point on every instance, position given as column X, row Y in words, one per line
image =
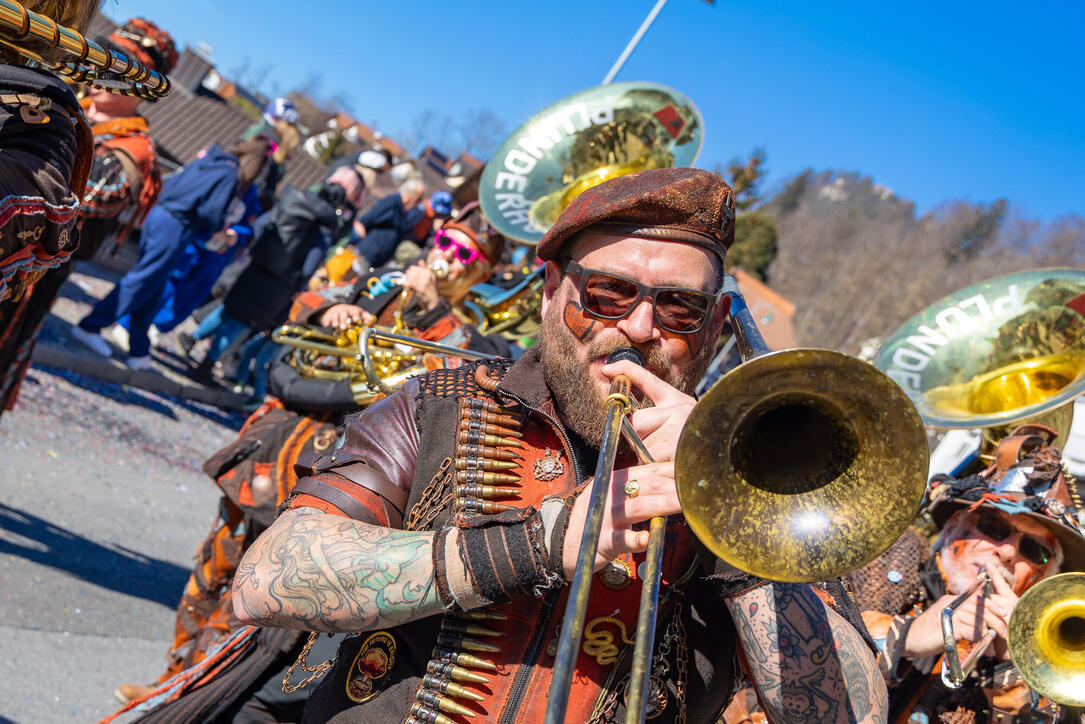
column 319, row 572
column 807, row 662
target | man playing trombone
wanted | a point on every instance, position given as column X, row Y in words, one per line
column 1013, row 525
column 488, row 467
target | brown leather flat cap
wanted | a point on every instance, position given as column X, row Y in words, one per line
column 686, row 205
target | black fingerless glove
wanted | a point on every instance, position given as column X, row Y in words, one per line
column 508, row 555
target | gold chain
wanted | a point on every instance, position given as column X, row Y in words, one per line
column 434, row 499
column 317, row 671
column 681, row 661
column 1071, row 486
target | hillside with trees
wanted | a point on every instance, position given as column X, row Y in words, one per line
column 857, row 261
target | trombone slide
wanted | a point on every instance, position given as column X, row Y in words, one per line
column 955, row 671
column 617, row 406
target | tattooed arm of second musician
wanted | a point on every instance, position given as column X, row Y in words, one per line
column 318, row 572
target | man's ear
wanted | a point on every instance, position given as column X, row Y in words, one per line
column 551, row 282
column 719, row 316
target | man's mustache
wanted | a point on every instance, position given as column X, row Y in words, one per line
column 654, row 359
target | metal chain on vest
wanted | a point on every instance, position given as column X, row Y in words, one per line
column 437, row 496
column 302, row 661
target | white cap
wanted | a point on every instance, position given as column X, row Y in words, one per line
column 372, row 159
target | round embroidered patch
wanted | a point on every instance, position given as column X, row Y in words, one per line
column 370, row 667
column 656, row 699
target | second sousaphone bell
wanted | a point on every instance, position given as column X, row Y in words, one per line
column 996, row 354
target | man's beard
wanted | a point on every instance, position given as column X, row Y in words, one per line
column 578, row 400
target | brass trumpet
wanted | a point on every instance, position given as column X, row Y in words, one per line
column 102, row 67
column 955, row 671
column 821, row 466
column 1046, row 638
column 374, row 370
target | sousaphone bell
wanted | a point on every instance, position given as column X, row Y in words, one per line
column 580, row 142
column 996, row 355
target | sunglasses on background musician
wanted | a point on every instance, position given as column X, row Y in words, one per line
column 611, row 296
column 465, row 253
column 1031, row 549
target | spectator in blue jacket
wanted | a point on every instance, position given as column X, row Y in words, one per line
column 193, row 203
column 289, row 243
column 378, row 232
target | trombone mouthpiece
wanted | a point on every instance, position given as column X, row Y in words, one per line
column 439, row 268
column 626, row 353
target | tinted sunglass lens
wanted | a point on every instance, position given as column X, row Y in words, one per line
column 442, row 240
column 680, row 311
column 993, row 528
column 464, row 254
column 609, row 296
column 1030, row 549
column 1034, row 551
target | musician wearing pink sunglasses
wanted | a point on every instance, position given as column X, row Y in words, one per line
column 463, row 255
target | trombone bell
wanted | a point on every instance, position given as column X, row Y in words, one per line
column 1047, row 638
column 801, row 465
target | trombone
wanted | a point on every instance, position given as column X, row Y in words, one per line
column 955, row 671
column 821, row 465
column 92, row 63
column 1046, row 639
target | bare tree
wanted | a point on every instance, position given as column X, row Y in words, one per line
column 857, row 262
column 241, row 70
column 480, row 131
column 427, row 127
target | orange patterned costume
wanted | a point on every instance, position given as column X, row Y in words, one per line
column 253, row 486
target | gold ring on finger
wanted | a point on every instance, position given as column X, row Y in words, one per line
column 632, row 488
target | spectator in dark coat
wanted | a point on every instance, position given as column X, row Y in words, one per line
column 378, row 232
column 194, row 202
column 288, row 244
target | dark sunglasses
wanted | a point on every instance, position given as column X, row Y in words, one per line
column 611, row 296
column 1030, row 548
column 466, row 254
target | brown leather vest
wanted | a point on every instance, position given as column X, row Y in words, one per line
column 381, row 675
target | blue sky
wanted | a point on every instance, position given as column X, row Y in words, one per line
column 938, row 101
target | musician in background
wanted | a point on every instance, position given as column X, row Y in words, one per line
column 465, row 252
column 985, row 521
column 256, row 472
column 123, row 184
column 449, row 519
column 46, row 149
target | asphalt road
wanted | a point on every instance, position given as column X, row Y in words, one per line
column 102, row 505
